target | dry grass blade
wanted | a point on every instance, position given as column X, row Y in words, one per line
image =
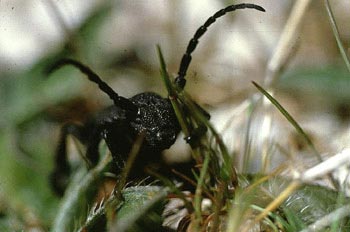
column 327, row 166
column 286, row 42
column 328, row 219
column 279, row 200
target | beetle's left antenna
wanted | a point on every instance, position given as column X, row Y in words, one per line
column 118, row 100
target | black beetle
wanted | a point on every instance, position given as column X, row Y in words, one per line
column 120, row 123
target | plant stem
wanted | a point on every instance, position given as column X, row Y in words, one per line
column 336, row 34
column 286, row 41
column 198, row 194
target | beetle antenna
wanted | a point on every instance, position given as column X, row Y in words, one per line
column 180, row 80
column 118, row 100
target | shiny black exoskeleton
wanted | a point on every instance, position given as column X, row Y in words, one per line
column 121, row 123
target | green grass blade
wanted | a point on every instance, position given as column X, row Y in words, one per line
column 172, row 93
column 289, row 118
column 164, row 72
column 336, row 34
column 75, row 195
column 198, row 194
column 295, row 125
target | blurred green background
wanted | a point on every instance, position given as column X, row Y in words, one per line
column 117, row 39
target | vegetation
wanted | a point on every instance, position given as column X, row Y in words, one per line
column 226, row 197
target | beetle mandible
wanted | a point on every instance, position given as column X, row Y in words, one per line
column 121, row 123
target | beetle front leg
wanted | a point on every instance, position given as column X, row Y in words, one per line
column 93, row 142
column 60, row 176
column 197, row 133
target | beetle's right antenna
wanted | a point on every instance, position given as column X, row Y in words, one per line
column 180, row 80
column 118, row 100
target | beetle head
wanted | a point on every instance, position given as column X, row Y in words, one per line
column 157, row 119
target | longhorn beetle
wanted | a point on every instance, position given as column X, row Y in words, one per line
column 120, row 123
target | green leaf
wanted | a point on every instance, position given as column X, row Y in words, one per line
column 141, row 209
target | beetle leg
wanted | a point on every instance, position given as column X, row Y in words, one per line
column 93, row 142
column 59, row 177
column 195, row 135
